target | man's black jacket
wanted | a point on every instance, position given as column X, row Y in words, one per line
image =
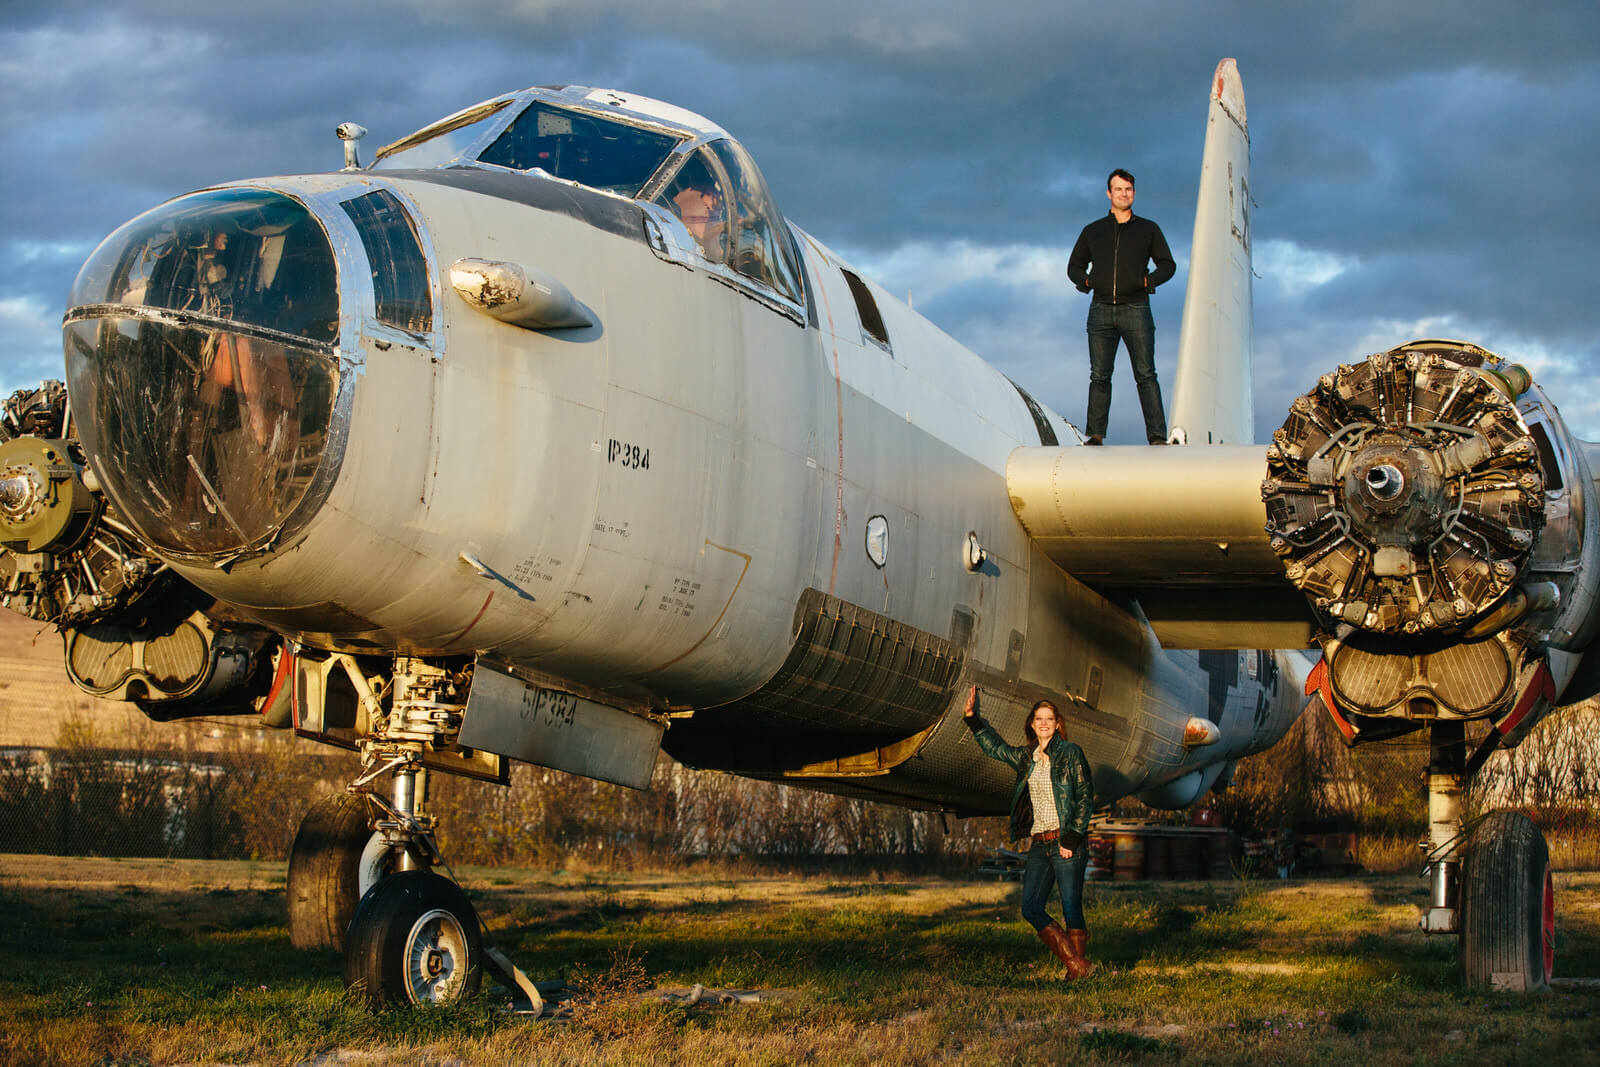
column 1119, row 252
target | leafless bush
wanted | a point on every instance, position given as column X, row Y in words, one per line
column 1553, row 774
column 208, row 790
column 1381, row 789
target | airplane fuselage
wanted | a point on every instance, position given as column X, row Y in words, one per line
column 652, row 507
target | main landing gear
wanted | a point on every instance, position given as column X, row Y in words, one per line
column 1489, row 883
column 360, row 871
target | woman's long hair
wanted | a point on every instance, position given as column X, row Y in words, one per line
column 1027, row 729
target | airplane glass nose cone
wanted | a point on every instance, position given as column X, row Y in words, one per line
column 201, row 369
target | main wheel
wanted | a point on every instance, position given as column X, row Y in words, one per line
column 1508, row 913
column 414, row 940
column 336, row 857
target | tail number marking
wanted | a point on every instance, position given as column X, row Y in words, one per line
column 547, row 707
column 634, row 457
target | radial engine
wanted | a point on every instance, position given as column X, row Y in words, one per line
column 1438, row 516
column 132, row 629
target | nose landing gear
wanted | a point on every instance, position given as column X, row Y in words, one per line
column 360, row 875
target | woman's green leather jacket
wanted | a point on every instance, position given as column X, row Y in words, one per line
column 1070, row 778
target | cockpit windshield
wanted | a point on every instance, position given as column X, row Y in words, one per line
column 580, row 147
column 443, row 142
column 722, row 200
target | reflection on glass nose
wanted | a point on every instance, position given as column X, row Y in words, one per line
column 201, row 367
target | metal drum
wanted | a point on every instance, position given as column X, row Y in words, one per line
column 1102, row 858
column 1158, row 857
column 1129, row 863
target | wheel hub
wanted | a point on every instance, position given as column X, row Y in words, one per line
column 435, row 948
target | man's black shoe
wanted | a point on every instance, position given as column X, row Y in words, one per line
column 1093, row 441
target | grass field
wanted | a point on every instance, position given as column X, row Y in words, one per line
column 135, row 961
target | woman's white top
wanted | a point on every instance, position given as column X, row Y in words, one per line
column 1044, row 796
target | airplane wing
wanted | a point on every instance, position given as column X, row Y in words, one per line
column 1180, row 530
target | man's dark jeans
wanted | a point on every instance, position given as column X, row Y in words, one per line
column 1047, row 869
column 1134, row 326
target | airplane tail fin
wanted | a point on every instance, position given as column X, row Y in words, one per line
column 1212, row 391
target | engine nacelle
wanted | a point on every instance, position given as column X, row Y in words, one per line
column 1436, row 513
column 132, row 629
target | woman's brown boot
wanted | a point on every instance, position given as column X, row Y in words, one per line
column 1078, row 948
column 1055, row 939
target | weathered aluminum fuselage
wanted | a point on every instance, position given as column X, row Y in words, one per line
column 638, row 508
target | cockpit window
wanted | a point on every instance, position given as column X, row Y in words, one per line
column 440, row 143
column 580, row 147
column 741, row 227
column 399, row 271
column 699, row 198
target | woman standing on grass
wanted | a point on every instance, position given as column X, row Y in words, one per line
column 1049, row 809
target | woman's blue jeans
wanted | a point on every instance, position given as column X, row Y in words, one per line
column 1047, row 869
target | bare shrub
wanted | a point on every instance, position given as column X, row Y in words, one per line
column 1381, row 789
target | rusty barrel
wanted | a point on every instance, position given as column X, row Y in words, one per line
column 1129, row 857
column 1158, row 857
column 1102, row 858
column 1220, row 854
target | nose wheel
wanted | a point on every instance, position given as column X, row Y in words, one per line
column 415, row 940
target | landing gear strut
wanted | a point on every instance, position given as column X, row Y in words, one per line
column 1490, row 883
column 360, row 871
column 414, row 937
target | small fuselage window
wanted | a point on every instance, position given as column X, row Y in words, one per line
column 583, row 148
column 866, row 308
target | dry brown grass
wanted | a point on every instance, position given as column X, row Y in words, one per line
column 153, row 961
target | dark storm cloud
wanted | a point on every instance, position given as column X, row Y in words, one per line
column 1413, row 165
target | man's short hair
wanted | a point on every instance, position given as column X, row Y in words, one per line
column 1119, row 173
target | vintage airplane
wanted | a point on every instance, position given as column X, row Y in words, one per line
column 546, row 437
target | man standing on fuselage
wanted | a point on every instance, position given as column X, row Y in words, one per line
column 1110, row 259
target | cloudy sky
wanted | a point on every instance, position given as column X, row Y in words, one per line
column 1419, row 169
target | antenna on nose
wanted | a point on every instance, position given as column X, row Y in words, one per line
column 350, row 133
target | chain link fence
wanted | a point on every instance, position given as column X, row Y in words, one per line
column 220, row 791
column 215, row 791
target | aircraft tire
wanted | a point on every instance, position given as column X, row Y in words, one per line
column 1507, row 906
column 336, row 856
column 415, row 940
